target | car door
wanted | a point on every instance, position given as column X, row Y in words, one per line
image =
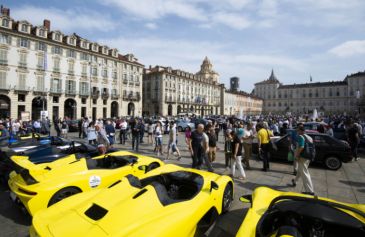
column 322, row 147
column 281, row 148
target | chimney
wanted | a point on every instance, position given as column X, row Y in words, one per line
column 47, row 24
column 5, row 11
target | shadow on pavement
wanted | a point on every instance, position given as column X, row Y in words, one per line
column 352, row 183
column 10, row 210
column 227, row 225
column 252, row 186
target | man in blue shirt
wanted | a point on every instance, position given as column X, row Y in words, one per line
column 303, row 163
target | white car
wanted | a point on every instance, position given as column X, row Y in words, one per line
column 181, row 125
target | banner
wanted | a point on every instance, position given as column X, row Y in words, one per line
column 25, row 116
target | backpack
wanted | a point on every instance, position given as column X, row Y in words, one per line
column 309, row 151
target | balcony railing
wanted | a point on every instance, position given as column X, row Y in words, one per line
column 84, row 93
column 115, row 96
column 71, row 72
column 132, row 97
column 105, row 95
column 56, row 91
column 56, row 70
column 40, row 67
column 125, row 81
column 21, row 88
column 170, row 100
column 39, row 91
column 4, row 62
column 70, row 92
column 95, row 94
column 22, row 65
column 84, row 74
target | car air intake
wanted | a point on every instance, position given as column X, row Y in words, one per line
column 96, row 212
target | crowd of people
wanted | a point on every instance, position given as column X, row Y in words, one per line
column 239, row 137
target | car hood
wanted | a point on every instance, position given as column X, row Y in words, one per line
column 133, row 211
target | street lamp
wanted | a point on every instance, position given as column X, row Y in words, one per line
column 358, row 101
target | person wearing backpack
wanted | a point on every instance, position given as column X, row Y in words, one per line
column 304, row 154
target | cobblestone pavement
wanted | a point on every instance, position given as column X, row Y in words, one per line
column 346, row 184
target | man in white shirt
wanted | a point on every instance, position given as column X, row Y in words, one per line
column 37, row 126
column 123, row 131
column 15, row 127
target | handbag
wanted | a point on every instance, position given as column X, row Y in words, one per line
column 290, row 156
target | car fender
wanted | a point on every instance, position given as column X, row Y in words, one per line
column 222, row 182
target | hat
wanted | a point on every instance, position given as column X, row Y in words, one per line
column 240, row 133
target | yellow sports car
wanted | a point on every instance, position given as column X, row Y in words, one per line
column 274, row 213
column 39, row 186
column 168, row 201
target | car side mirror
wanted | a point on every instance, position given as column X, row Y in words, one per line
column 213, row 185
column 246, row 198
column 133, row 161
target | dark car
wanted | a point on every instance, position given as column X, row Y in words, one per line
column 329, row 151
column 46, row 153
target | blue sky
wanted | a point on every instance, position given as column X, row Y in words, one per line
column 244, row 38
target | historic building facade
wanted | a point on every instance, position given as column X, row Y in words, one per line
column 170, row 92
column 64, row 75
column 327, row 97
column 240, row 103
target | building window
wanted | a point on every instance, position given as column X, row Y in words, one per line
column 95, row 101
column 40, row 83
column 24, row 28
column 5, row 39
column 57, row 50
column 56, row 85
column 42, row 32
column 115, row 75
column 22, row 81
column 41, row 46
column 83, row 69
column 40, row 61
column 21, row 98
column 22, row 59
column 83, row 100
column 24, row 43
column 71, row 53
column 84, row 44
column 94, row 71
column 3, row 57
column 71, row 67
column 95, row 48
column 105, row 73
column 57, row 37
column 55, row 99
column 84, row 88
column 5, row 23
column 3, row 83
column 70, row 87
column 56, row 64
column 72, row 41
column 84, row 56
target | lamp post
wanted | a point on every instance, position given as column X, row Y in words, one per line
column 358, row 101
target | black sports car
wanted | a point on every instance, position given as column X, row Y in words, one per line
column 46, row 153
column 329, row 151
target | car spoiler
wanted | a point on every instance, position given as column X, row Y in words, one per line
column 23, row 166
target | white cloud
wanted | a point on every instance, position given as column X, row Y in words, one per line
column 65, row 20
column 349, row 48
column 151, row 25
column 235, row 21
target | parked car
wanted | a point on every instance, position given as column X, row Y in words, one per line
column 168, row 201
column 182, row 124
column 329, row 150
column 276, row 213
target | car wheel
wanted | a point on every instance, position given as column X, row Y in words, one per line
column 227, row 198
column 152, row 166
column 333, row 163
column 62, row 194
column 180, row 129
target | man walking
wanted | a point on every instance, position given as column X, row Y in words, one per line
column 353, row 138
column 123, row 131
column 135, row 128
column 172, row 141
column 303, row 163
column 199, row 147
column 263, row 136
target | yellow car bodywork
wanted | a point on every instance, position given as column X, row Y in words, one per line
column 263, row 196
column 69, row 172
column 127, row 210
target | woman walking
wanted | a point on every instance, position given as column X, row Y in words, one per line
column 212, row 143
column 91, row 134
column 158, row 138
column 237, row 156
column 150, row 133
column 247, row 144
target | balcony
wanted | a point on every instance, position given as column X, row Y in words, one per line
column 95, row 94
column 4, row 62
column 84, row 93
column 4, row 87
column 55, row 91
column 22, row 65
column 83, row 74
column 125, row 81
column 131, row 97
column 71, row 92
column 105, row 95
column 39, row 91
column 40, row 67
column 115, row 96
column 71, row 72
column 56, row 70
column 21, row 89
